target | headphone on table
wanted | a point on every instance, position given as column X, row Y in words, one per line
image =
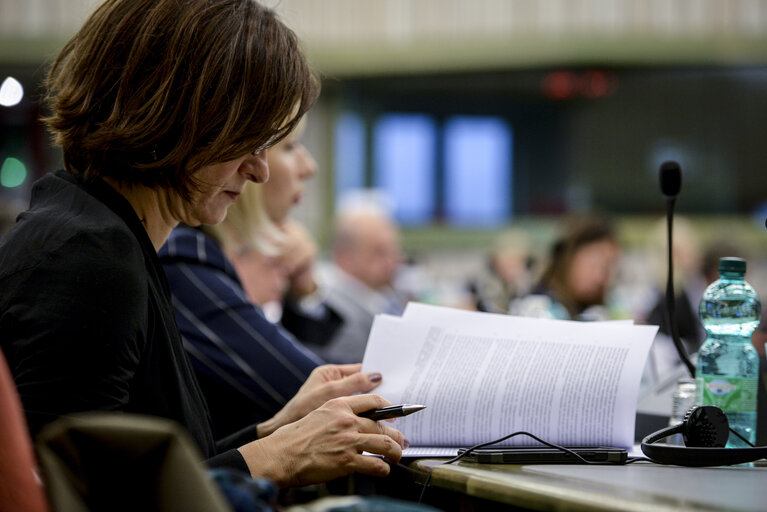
column 705, row 430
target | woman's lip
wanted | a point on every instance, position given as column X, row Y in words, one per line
column 233, row 195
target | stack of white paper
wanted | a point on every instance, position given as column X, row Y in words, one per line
column 483, row 376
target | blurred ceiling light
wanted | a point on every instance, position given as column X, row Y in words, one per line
column 11, row 92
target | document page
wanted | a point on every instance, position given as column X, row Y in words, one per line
column 483, row 376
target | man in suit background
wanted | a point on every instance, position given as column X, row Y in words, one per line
column 358, row 284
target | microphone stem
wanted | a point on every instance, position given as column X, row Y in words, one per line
column 670, row 296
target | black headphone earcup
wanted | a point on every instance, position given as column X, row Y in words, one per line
column 705, row 426
column 705, row 431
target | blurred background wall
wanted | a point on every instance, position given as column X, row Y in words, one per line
column 475, row 116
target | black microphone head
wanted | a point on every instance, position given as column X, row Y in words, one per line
column 670, row 179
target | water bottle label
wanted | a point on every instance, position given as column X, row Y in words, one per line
column 731, row 394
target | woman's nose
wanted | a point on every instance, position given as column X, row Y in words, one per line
column 308, row 164
column 256, row 167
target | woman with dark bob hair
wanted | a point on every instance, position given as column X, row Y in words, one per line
column 575, row 282
column 164, row 109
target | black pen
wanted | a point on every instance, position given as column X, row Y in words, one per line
column 394, row 411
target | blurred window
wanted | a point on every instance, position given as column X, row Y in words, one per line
column 349, row 153
column 458, row 169
column 404, row 160
column 478, row 171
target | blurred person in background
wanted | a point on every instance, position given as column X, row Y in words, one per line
column 694, row 269
column 689, row 284
column 506, row 275
column 164, row 110
column 221, row 276
column 358, row 284
column 303, row 310
column 576, row 280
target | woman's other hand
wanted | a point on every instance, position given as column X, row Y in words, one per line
column 324, row 383
column 326, row 444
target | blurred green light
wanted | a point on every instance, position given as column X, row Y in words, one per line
column 13, row 173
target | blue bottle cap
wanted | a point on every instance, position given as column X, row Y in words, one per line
column 732, row 265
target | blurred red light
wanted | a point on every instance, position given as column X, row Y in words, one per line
column 560, row 85
column 597, row 84
column 566, row 85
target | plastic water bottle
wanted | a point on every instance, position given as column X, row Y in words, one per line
column 728, row 365
column 683, row 398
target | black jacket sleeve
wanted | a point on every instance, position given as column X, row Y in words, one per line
column 71, row 326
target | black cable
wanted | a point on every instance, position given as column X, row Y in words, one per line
column 425, row 485
column 749, row 443
column 504, row 438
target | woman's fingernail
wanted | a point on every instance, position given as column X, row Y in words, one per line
column 406, row 444
column 375, row 377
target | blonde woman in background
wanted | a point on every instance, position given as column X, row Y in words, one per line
column 253, row 244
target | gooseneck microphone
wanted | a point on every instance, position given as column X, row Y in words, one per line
column 670, row 185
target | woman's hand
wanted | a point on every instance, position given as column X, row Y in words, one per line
column 325, row 382
column 298, row 252
column 327, row 444
column 263, row 277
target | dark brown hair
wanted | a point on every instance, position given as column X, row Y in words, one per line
column 149, row 91
column 579, row 230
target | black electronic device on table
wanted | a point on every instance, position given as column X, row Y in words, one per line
column 544, row 455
